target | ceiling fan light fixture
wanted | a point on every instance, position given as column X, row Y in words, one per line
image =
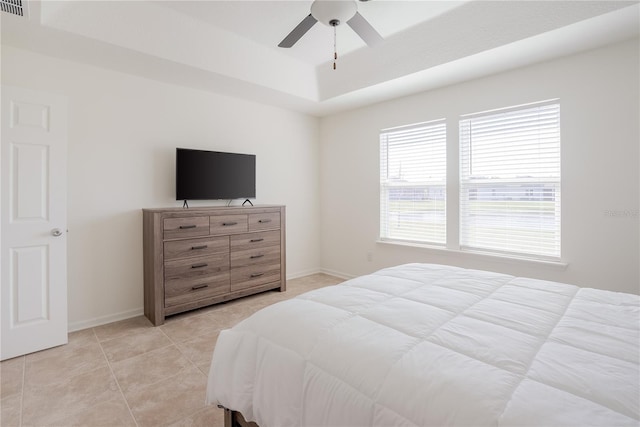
column 332, row 13
column 327, row 11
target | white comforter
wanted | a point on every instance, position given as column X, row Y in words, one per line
column 432, row 345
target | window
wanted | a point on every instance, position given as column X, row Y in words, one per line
column 413, row 183
column 510, row 181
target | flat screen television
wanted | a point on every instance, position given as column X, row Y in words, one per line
column 214, row 175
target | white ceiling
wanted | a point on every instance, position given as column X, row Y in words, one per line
column 268, row 22
column 230, row 47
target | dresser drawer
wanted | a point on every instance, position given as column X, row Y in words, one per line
column 195, row 247
column 262, row 239
column 254, row 275
column 193, row 226
column 178, row 270
column 268, row 255
column 227, row 224
column 195, row 288
column 264, row 221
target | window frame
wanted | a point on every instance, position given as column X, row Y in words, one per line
column 453, row 189
column 431, row 191
column 524, row 208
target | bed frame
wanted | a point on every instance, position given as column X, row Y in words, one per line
column 235, row 419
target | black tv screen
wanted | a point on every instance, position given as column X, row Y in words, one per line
column 213, row 175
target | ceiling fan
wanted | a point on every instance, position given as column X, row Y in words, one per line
column 332, row 13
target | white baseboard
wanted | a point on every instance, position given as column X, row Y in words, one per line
column 103, row 320
column 320, row 271
column 303, row 273
column 339, row 274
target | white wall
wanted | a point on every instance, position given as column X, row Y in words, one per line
column 599, row 98
column 123, row 131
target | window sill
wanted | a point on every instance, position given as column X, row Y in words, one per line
column 556, row 265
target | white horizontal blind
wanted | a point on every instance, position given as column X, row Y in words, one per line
column 510, row 181
column 413, row 173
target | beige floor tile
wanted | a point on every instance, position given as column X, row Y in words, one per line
column 110, row 413
column 190, row 313
column 11, row 377
column 189, row 327
column 228, row 316
column 149, row 368
column 134, row 344
column 161, row 371
column 121, row 328
column 210, row 416
column 200, row 348
column 79, row 339
column 266, row 299
column 49, row 404
column 10, row 408
column 204, row 368
column 170, row 400
column 51, row 366
column 252, row 298
column 83, row 337
column 309, row 283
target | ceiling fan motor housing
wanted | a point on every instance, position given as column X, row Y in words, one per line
column 330, row 11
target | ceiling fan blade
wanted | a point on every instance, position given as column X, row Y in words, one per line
column 366, row 32
column 299, row 31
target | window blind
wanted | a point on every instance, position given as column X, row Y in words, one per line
column 510, row 181
column 413, row 183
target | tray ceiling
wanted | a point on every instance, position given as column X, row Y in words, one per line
column 230, row 47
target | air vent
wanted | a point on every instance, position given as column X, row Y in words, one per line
column 13, row 7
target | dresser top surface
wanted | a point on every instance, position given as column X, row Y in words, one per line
column 197, row 209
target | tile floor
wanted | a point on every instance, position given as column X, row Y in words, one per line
column 130, row 373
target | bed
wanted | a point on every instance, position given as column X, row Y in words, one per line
column 434, row 345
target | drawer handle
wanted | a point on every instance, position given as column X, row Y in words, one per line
column 198, row 247
column 254, row 275
column 196, row 287
column 226, row 224
column 199, row 265
column 256, row 256
column 256, row 240
column 185, row 227
column 262, row 221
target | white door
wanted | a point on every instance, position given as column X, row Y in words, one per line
column 33, row 178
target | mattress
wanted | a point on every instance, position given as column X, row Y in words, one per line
column 434, row 345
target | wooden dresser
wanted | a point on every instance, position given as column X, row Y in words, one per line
column 201, row 256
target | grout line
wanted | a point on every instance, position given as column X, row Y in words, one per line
column 130, row 334
column 113, row 375
column 171, row 344
column 176, row 344
column 166, row 335
column 161, row 379
column 182, row 352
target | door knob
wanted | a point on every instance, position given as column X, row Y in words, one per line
column 56, row 232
